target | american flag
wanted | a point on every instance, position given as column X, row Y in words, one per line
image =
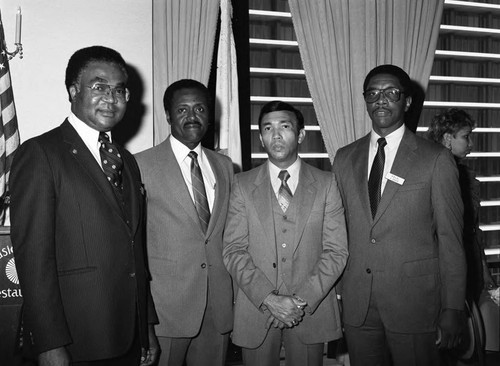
column 9, row 134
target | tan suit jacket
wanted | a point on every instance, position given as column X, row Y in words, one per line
column 319, row 253
column 185, row 264
column 411, row 253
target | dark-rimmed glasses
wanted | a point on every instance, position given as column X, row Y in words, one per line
column 391, row 94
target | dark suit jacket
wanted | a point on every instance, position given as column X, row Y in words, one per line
column 319, row 252
column 79, row 255
column 411, row 253
column 186, row 264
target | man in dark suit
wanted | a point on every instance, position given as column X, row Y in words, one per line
column 187, row 187
column 404, row 284
column 77, row 228
column 285, row 246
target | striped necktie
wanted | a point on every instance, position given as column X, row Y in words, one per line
column 285, row 194
column 375, row 179
column 199, row 193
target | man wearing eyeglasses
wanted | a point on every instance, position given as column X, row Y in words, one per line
column 77, row 229
column 403, row 288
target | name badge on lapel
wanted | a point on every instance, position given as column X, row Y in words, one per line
column 395, row 179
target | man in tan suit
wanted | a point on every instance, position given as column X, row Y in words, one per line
column 404, row 285
column 285, row 247
column 191, row 287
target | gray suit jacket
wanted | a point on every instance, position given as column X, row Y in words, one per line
column 319, row 253
column 411, row 253
column 186, row 264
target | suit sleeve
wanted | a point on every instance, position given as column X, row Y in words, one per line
column 448, row 218
column 333, row 258
column 237, row 259
column 33, row 218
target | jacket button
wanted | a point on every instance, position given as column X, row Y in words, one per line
column 132, row 274
column 203, row 265
column 274, row 265
column 206, row 242
column 373, row 241
column 368, row 270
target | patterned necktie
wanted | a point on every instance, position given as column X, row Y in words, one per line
column 111, row 159
column 199, row 193
column 375, row 179
column 285, row 194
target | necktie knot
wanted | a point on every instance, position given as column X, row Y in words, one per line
column 284, row 175
column 193, row 155
column 381, row 142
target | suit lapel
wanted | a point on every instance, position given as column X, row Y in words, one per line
column 306, row 192
column 171, row 177
column 405, row 156
column 262, row 198
column 360, row 172
column 220, row 189
column 79, row 151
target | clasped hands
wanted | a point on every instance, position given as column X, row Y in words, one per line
column 286, row 311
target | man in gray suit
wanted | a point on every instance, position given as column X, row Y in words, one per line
column 404, row 285
column 285, row 246
column 187, row 189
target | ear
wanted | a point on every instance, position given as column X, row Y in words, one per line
column 408, row 103
column 447, row 139
column 168, row 117
column 73, row 90
column 302, row 135
column 261, row 142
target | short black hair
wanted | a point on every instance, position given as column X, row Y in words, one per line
column 278, row 105
column 184, row 84
column 81, row 58
column 399, row 73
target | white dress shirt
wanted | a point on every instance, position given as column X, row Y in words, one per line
column 393, row 140
column 89, row 136
column 292, row 182
column 181, row 152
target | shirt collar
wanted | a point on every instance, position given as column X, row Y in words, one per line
column 293, row 170
column 86, row 132
column 181, row 151
column 393, row 138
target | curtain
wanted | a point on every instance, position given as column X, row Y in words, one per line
column 183, row 44
column 355, row 36
column 227, row 111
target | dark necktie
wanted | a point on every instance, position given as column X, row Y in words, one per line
column 111, row 159
column 199, row 193
column 375, row 179
column 285, row 194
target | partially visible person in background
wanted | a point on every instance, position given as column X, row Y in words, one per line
column 453, row 130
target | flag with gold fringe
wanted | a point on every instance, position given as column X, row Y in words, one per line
column 9, row 133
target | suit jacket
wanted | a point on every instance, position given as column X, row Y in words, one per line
column 79, row 255
column 186, row 264
column 319, row 253
column 411, row 253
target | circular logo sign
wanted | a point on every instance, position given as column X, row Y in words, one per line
column 11, row 272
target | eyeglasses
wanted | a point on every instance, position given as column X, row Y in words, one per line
column 119, row 92
column 391, row 94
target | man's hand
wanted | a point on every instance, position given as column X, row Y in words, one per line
column 451, row 324
column 284, row 308
column 151, row 355
column 54, row 357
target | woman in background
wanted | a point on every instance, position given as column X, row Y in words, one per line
column 453, row 130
